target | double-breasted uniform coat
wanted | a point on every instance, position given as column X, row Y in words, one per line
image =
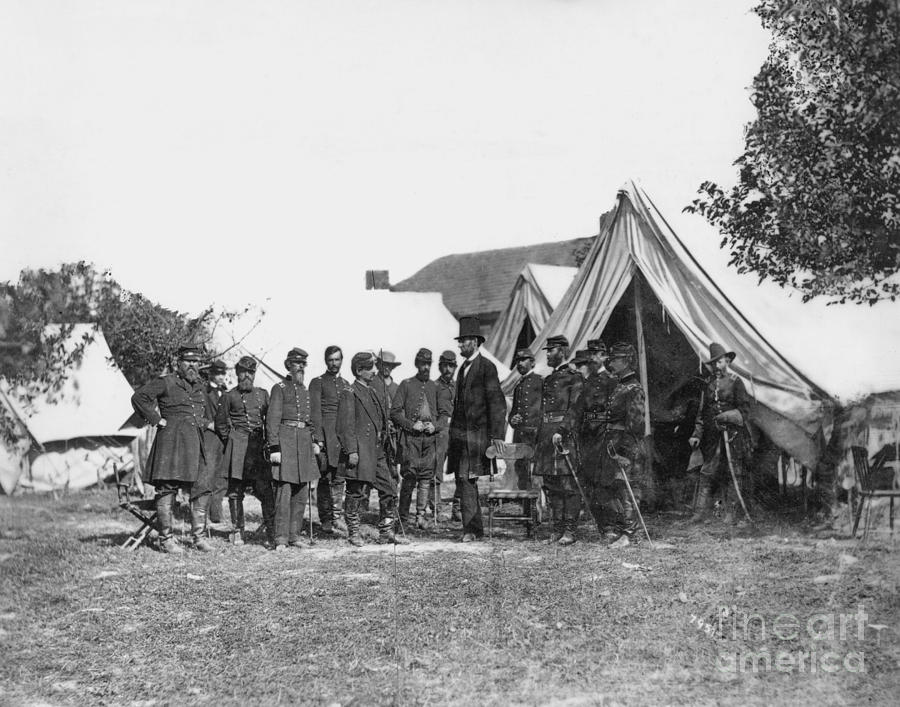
column 290, row 431
column 526, row 403
column 241, row 421
column 361, row 429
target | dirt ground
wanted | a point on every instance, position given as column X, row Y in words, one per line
column 782, row 615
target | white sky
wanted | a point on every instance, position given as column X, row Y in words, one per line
column 223, row 151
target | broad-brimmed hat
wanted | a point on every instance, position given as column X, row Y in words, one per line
column 189, row 352
column 246, row 363
column 523, row 354
column 423, row 355
column 554, row 341
column 470, row 327
column 447, row 357
column 295, row 355
column 716, row 351
column 215, row 368
column 595, row 345
column 388, row 359
column 582, row 357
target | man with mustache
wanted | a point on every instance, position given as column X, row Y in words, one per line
column 324, row 393
column 241, row 420
column 176, row 405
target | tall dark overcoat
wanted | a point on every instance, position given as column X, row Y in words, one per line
column 361, row 428
column 479, row 415
column 290, row 431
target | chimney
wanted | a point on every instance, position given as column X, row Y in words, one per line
column 378, row 280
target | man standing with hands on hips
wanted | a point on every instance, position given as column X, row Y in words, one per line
column 479, row 418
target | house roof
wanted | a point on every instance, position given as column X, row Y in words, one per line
column 480, row 283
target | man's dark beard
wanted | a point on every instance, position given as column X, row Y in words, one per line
column 245, row 385
column 190, row 375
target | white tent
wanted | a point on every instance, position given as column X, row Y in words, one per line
column 70, row 438
column 363, row 320
column 638, row 254
column 535, row 294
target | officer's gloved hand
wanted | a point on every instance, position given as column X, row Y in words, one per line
column 429, row 428
column 557, row 439
column 353, row 460
column 275, row 457
column 162, row 422
column 694, row 442
column 515, row 419
column 317, row 450
column 419, row 426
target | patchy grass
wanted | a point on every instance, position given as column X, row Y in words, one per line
column 437, row 622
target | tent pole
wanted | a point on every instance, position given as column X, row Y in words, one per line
column 642, row 351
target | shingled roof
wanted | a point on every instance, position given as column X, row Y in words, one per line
column 480, row 283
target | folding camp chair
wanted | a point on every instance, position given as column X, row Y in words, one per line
column 867, row 491
column 143, row 509
column 510, row 492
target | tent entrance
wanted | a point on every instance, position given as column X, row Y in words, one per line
column 526, row 335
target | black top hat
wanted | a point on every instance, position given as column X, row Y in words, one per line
column 554, row 341
column 523, row 354
column 470, row 327
column 716, row 351
column 246, row 363
column 447, row 357
column 423, row 355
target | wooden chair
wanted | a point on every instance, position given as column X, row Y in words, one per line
column 867, row 492
column 143, row 509
column 510, row 492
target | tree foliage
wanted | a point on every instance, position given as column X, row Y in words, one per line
column 817, row 201
column 142, row 335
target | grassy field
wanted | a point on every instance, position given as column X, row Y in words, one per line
column 439, row 622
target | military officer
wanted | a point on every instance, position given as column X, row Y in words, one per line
column 581, row 363
column 292, row 449
column 587, row 418
column 525, row 413
column 621, row 451
column 414, row 412
column 386, row 388
column 241, row 420
column 214, row 374
column 446, row 390
column 361, row 430
column 178, row 450
column 560, row 391
column 324, row 393
column 724, row 414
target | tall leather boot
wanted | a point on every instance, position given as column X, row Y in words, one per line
column 557, row 508
column 630, row 521
column 325, row 504
column 386, row 535
column 267, row 504
column 422, row 492
column 198, row 523
column 701, row 508
column 351, row 513
column 236, row 508
column 407, row 482
column 337, row 506
column 298, row 508
column 571, row 511
column 165, row 503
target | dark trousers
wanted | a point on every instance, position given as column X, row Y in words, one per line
column 470, row 506
column 565, row 501
column 358, row 491
column 262, row 489
column 290, row 502
column 330, row 496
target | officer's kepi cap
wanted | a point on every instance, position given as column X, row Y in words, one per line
column 594, row 345
column 554, row 341
column 246, row 363
column 522, row 354
column 296, row 355
column 215, row 368
column 447, row 357
column 423, row 356
column 189, row 353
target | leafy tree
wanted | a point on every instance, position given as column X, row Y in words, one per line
column 817, row 201
column 143, row 336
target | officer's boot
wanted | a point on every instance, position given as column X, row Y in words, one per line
column 422, row 493
column 728, row 504
column 351, row 513
column 236, row 509
column 324, row 504
column 455, row 513
column 198, row 523
column 571, row 511
column 165, row 503
column 337, row 507
column 557, row 508
column 386, row 535
column 407, row 483
column 630, row 513
column 701, row 507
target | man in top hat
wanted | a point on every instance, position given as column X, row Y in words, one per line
column 615, row 449
column 292, row 449
column 446, row 392
column 362, row 432
column 241, row 420
column 587, row 418
column 214, row 375
column 415, row 415
column 479, row 418
column 525, row 413
column 724, row 413
column 178, row 451
column 324, row 393
column 559, row 392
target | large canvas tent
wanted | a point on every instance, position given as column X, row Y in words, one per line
column 70, row 438
column 535, row 294
column 363, row 320
column 640, row 283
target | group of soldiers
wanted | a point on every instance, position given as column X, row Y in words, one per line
column 585, row 422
